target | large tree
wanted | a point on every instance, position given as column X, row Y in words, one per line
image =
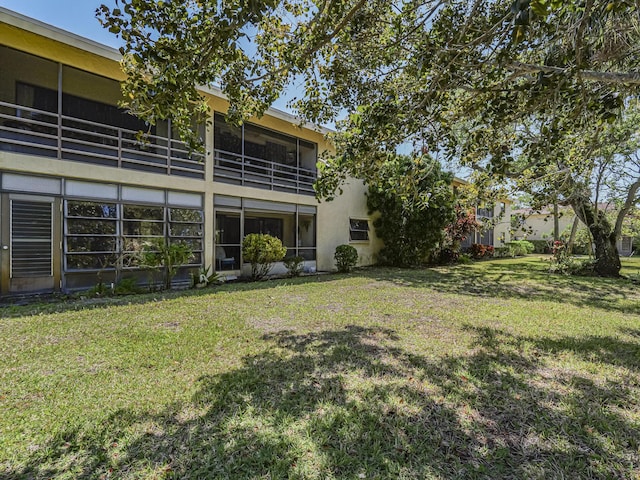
column 487, row 82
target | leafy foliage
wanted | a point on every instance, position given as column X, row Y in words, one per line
column 530, row 92
column 165, row 258
column 262, row 251
column 205, row 277
column 478, row 250
column 521, row 247
column 294, row 265
column 411, row 227
column 463, row 225
column 346, row 257
column 540, row 246
column 127, row 286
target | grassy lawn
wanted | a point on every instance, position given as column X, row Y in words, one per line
column 490, row 370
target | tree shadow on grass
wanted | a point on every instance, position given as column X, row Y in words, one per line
column 353, row 403
column 496, row 279
column 64, row 303
column 521, row 281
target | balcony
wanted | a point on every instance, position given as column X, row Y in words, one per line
column 258, row 173
column 38, row 132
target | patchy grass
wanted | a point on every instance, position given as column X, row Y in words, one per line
column 491, row 370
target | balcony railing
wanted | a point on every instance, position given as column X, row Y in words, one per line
column 255, row 172
column 37, row 132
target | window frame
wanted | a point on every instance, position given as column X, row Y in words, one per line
column 354, row 229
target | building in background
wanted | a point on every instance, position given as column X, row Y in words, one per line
column 530, row 224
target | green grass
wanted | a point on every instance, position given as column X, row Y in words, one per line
column 489, row 370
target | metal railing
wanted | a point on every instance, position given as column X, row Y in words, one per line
column 255, row 172
column 38, row 132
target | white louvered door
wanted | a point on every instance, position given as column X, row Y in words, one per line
column 31, row 244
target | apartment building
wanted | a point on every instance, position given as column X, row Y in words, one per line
column 80, row 190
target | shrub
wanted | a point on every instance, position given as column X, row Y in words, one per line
column 100, row 289
column 411, row 222
column 478, row 251
column 502, row 252
column 464, row 259
column 516, row 249
column 447, row 255
column 204, row 277
column 520, row 247
column 127, row 286
column 563, row 263
column 456, row 232
column 294, row 265
column 530, row 247
column 540, row 246
column 165, row 257
column 262, row 251
column 346, row 257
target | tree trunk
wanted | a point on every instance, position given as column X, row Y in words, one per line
column 607, row 258
column 556, row 222
column 603, row 235
column 572, row 237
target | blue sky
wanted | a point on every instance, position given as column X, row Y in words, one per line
column 76, row 16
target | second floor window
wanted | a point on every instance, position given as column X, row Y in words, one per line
column 259, row 143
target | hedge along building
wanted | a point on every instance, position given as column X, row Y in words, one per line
column 79, row 193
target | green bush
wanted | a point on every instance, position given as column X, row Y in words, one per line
column 464, row 259
column 520, row 247
column 572, row 266
column 411, row 226
column 516, row 249
column 446, row 256
column 165, row 257
column 204, row 277
column 262, row 251
column 502, row 252
column 346, row 257
column 294, row 265
column 127, row 286
column 540, row 246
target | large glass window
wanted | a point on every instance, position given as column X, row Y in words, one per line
column 486, row 237
column 269, row 145
column 19, row 68
column 91, row 127
column 267, row 225
column 308, row 155
column 91, row 235
column 101, row 235
column 186, row 226
column 297, row 232
column 141, row 225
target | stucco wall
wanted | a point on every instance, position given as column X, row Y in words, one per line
column 539, row 226
column 333, row 226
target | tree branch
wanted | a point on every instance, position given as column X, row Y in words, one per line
column 631, row 78
column 628, row 203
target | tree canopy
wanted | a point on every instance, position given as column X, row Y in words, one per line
column 523, row 91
